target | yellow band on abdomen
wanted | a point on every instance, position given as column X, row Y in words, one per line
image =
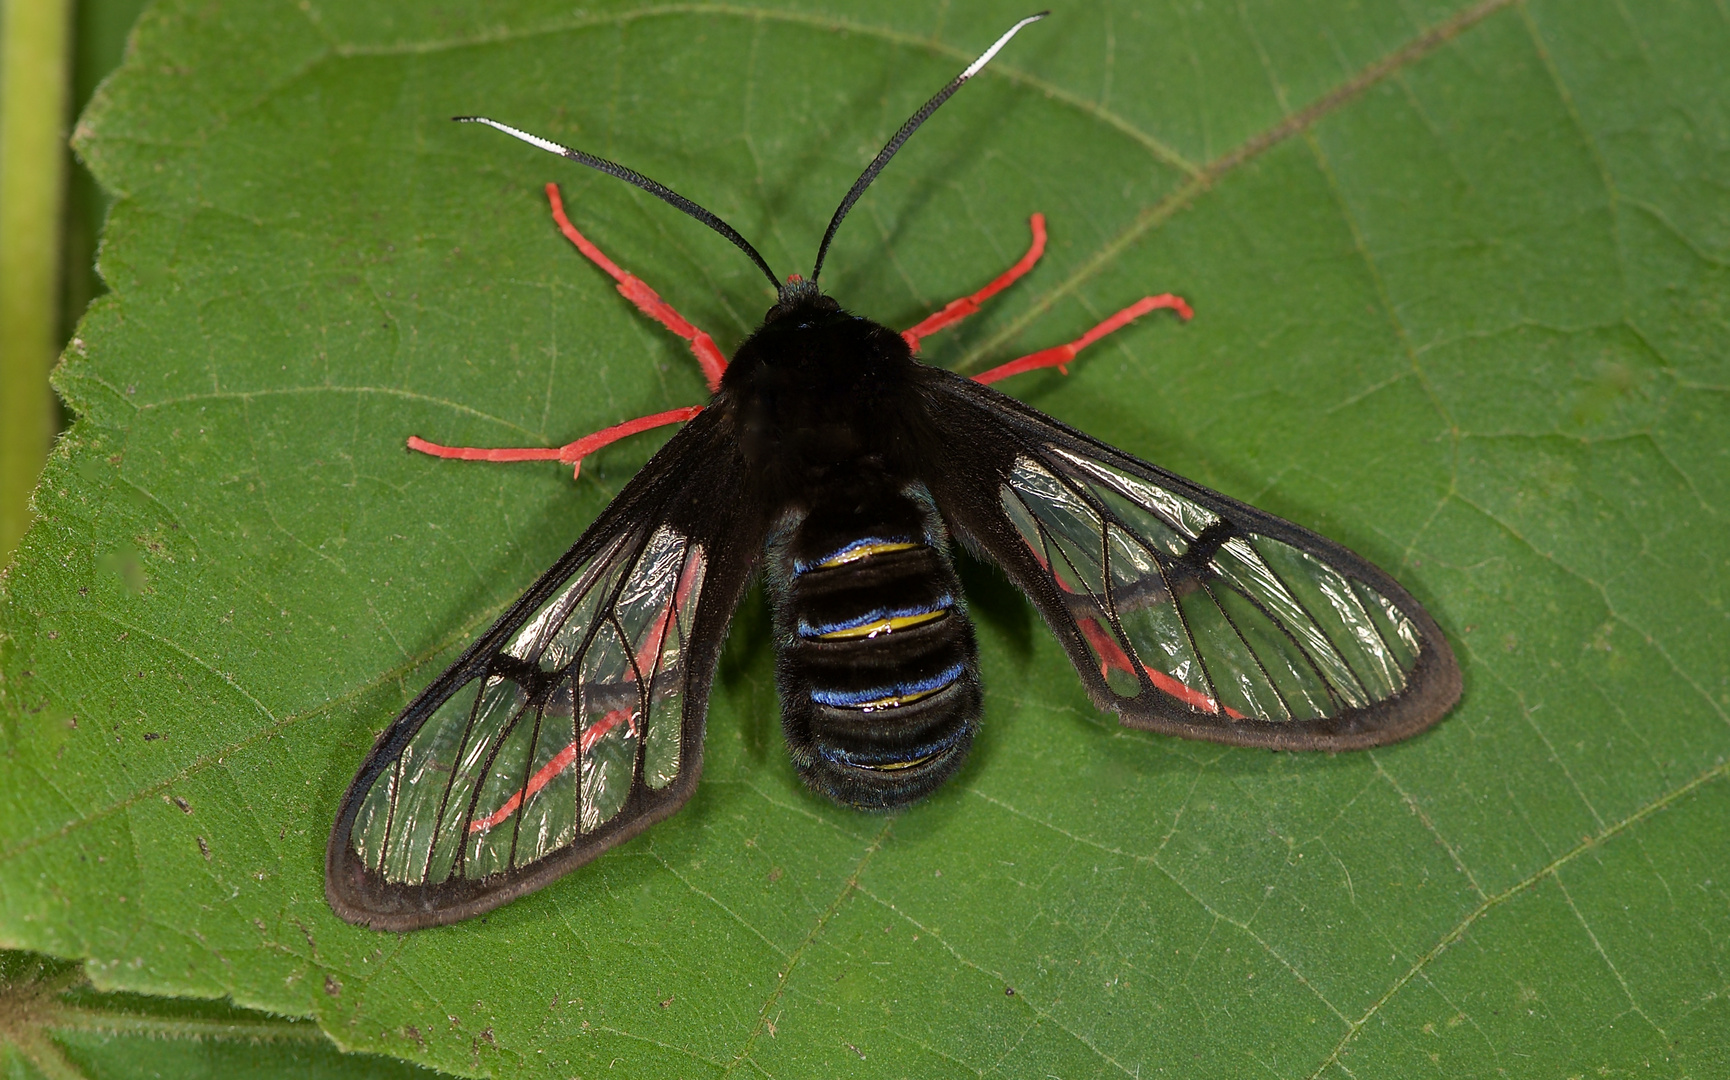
column 864, row 551
column 883, row 626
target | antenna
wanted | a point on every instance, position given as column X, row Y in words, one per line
column 906, row 133
column 658, row 190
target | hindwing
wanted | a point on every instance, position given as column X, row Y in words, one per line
column 1184, row 610
column 572, row 724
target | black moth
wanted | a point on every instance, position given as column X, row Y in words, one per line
column 842, row 466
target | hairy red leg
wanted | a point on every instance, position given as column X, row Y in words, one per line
column 572, row 453
column 1059, row 356
column 649, row 302
column 956, row 310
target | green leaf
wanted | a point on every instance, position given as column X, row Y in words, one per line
column 1462, row 288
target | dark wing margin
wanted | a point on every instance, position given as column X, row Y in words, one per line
column 571, row 725
column 1184, row 610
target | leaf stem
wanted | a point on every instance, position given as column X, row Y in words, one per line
column 34, row 85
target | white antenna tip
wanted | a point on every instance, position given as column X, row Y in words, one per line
column 985, row 57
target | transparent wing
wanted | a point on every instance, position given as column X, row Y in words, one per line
column 575, row 722
column 546, row 743
column 1188, row 611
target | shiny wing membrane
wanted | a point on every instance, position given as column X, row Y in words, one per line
column 571, row 725
column 1183, row 610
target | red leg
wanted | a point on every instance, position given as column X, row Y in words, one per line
column 956, row 310
column 634, row 289
column 571, row 453
column 1061, row 355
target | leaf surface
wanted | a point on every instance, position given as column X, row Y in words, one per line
column 1460, row 280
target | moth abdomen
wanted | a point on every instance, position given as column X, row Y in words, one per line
column 876, row 662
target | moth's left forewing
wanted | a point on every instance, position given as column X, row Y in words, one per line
column 571, row 725
column 1186, row 611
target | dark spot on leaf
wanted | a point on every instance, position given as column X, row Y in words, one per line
column 152, row 736
column 204, row 849
column 185, row 806
column 332, row 986
column 1009, row 991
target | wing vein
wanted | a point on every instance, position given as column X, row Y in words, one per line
column 521, row 792
column 1339, row 703
column 450, row 783
column 390, row 815
column 1250, row 649
column 1159, row 562
column 1321, row 628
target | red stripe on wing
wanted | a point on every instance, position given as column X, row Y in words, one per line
column 560, row 762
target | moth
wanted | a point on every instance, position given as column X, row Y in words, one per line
column 841, row 469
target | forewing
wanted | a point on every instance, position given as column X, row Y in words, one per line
column 1184, row 610
column 571, row 725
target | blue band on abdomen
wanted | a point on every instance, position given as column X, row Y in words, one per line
column 852, row 699
column 943, row 603
column 802, row 565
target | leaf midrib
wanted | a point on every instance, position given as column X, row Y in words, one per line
column 1001, row 70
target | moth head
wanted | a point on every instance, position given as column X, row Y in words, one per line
column 800, row 301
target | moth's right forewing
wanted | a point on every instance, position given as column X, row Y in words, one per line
column 1186, row 611
column 571, row 725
